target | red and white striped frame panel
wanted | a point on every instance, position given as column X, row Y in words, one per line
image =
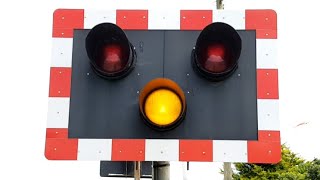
column 267, row 149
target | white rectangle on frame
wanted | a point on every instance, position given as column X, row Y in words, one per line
column 58, row 112
column 94, row 149
column 162, row 150
column 61, row 52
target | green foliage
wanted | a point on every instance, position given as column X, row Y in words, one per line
column 291, row 167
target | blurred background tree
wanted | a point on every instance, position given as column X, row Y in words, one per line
column 291, row 167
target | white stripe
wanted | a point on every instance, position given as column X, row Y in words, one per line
column 230, row 151
column 234, row 18
column 61, row 52
column 58, row 112
column 94, row 149
column 266, row 53
column 164, row 19
column 268, row 114
column 162, row 150
column 94, row 17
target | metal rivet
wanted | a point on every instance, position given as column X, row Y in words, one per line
column 138, row 92
column 188, row 92
column 60, row 72
column 267, row 74
column 203, row 17
column 194, row 48
column 239, row 74
column 120, row 151
column 203, row 153
column 182, row 152
column 56, row 132
column 138, row 74
column 124, row 17
column 59, row 92
column 55, row 149
column 144, row 17
column 140, row 152
column 134, row 47
column 88, row 74
column 267, row 19
column 62, row 33
column 267, row 34
column 269, row 151
column 188, row 74
column 183, row 17
column 269, row 135
column 62, row 18
column 268, row 93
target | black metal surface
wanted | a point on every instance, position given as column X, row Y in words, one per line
column 109, row 109
column 124, row 169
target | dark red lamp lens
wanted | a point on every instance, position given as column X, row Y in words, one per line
column 217, row 51
column 110, row 52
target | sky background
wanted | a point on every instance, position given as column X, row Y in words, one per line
column 25, row 52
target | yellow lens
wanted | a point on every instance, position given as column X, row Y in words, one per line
column 163, row 107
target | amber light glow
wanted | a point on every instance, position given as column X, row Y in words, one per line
column 163, row 107
column 162, row 104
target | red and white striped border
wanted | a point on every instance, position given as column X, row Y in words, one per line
column 266, row 150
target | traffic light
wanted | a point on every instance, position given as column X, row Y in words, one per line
column 162, row 104
column 110, row 52
column 125, row 90
column 217, row 51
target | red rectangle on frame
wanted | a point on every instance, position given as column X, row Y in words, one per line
column 196, row 150
column 128, row 150
column 66, row 20
column 263, row 21
column 57, row 133
column 195, row 19
column 267, row 84
column 60, row 82
column 132, row 19
column 61, row 149
column 264, row 152
column 268, row 136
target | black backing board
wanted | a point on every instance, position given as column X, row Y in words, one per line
column 101, row 108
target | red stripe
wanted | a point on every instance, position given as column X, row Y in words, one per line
column 66, row 20
column 59, row 147
column 267, row 84
column 128, row 150
column 195, row 19
column 195, row 150
column 267, row 149
column 60, row 82
column 132, row 19
column 263, row 21
column 268, row 136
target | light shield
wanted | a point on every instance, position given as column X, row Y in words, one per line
column 217, row 51
column 162, row 104
column 111, row 54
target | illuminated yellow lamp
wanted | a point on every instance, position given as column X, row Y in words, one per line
column 163, row 107
column 162, row 104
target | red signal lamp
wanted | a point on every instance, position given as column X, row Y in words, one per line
column 217, row 51
column 111, row 54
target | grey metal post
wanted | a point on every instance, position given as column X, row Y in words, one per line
column 137, row 170
column 160, row 170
